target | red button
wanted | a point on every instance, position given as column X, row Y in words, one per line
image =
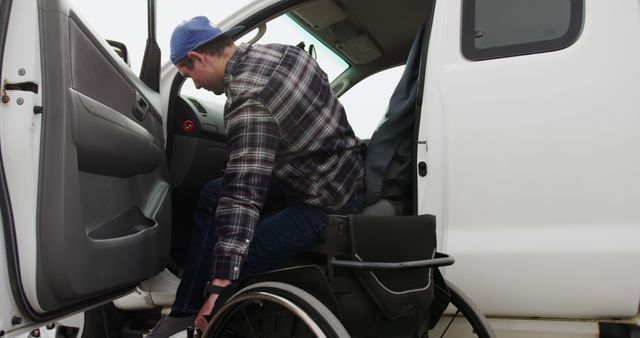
column 188, row 126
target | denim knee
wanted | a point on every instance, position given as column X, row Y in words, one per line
column 211, row 191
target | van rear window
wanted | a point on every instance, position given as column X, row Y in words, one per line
column 502, row 28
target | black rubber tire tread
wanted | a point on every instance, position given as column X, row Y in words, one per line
column 471, row 312
column 331, row 326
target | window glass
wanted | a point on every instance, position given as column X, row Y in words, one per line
column 110, row 22
column 511, row 22
column 498, row 28
column 367, row 101
column 285, row 31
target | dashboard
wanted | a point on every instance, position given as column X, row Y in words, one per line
column 197, row 150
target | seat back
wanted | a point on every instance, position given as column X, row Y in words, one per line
column 388, row 158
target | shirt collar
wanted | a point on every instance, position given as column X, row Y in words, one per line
column 233, row 61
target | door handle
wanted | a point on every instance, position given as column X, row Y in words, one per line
column 140, row 108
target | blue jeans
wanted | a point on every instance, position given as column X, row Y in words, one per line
column 278, row 236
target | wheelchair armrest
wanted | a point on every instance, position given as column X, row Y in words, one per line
column 441, row 260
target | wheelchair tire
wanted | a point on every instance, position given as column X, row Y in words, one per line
column 272, row 309
column 476, row 324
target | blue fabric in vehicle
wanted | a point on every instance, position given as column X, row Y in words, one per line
column 397, row 122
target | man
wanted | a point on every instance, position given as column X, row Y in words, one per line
column 286, row 134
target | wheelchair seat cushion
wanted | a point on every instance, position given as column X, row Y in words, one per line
column 395, row 239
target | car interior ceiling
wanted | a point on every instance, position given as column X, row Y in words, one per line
column 390, row 29
column 196, row 158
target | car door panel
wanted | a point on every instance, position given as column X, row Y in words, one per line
column 104, row 206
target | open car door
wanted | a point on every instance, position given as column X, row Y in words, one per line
column 85, row 196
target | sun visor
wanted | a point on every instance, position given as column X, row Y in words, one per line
column 321, row 14
column 360, row 50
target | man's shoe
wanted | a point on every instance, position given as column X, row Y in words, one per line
column 168, row 326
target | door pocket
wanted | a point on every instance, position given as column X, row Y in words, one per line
column 130, row 222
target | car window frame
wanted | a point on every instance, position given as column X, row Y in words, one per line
column 468, row 36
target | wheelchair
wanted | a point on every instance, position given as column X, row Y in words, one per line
column 374, row 276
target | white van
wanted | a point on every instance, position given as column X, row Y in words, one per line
column 525, row 146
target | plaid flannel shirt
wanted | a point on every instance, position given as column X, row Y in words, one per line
column 282, row 121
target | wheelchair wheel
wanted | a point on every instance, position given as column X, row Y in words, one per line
column 277, row 310
column 466, row 320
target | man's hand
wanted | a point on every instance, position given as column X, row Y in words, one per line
column 209, row 303
column 205, row 310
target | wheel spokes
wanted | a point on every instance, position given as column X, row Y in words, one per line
column 249, row 324
column 450, row 322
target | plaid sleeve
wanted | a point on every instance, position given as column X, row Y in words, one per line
column 252, row 141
